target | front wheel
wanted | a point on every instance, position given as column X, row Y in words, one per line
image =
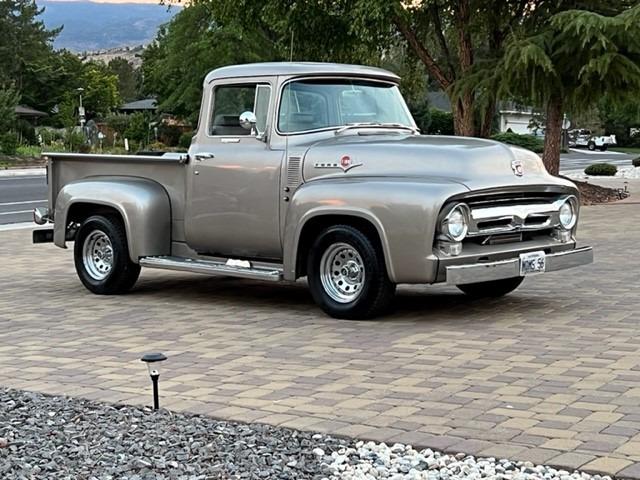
column 101, row 256
column 603, row 148
column 494, row 289
column 347, row 274
column 591, row 146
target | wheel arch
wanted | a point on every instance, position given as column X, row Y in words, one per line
column 316, row 221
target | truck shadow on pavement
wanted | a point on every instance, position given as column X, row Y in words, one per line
column 411, row 302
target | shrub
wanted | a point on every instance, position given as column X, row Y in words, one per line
column 169, row 134
column 604, row 169
column 9, row 144
column 529, row 142
column 50, row 136
column 185, row 140
column 441, row 122
column 636, row 162
column 157, row 147
column 26, row 131
column 29, row 151
column 73, row 139
column 138, row 128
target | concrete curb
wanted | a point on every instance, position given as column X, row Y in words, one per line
column 18, row 226
column 20, row 172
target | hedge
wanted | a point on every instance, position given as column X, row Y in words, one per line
column 529, row 142
column 604, row 169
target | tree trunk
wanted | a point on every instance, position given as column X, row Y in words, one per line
column 463, row 120
column 487, row 119
column 553, row 135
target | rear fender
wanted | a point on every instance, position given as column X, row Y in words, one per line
column 143, row 204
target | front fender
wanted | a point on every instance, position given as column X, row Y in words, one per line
column 143, row 204
column 403, row 211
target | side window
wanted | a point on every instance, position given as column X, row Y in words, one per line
column 230, row 101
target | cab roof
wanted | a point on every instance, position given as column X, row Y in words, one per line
column 295, row 69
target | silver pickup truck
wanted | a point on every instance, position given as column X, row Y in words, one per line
column 318, row 171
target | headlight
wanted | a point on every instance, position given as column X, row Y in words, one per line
column 455, row 224
column 567, row 214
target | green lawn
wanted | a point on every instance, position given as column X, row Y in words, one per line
column 629, row 150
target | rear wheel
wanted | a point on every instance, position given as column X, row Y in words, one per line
column 603, row 148
column 496, row 288
column 591, row 146
column 101, row 256
column 347, row 275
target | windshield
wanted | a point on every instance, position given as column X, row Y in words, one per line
column 317, row 104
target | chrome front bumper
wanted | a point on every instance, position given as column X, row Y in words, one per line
column 489, row 271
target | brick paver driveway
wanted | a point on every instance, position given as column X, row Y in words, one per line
column 550, row 374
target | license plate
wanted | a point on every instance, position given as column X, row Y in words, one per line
column 532, row 263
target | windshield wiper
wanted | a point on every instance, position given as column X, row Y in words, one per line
column 351, row 126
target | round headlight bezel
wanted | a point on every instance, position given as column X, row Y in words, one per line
column 572, row 204
column 460, row 211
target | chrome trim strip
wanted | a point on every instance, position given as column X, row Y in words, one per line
column 490, row 271
column 166, row 158
column 182, row 264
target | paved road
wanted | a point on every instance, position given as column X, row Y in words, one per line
column 549, row 374
column 578, row 159
column 19, row 196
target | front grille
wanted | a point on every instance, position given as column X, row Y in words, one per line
column 513, row 214
column 496, row 219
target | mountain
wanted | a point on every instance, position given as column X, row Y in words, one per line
column 90, row 26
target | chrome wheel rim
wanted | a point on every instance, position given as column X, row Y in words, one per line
column 97, row 255
column 342, row 272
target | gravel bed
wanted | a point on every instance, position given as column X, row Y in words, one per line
column 46, row 437
column 52, row 437
column 373, row 461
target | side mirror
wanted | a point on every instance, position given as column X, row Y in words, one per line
column 248, row 120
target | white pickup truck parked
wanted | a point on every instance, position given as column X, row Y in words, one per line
column 582, row 138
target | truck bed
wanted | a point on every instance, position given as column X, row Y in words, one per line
column 167, row 170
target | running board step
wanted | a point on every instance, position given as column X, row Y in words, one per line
column 182, row 264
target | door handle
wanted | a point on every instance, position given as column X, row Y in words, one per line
column 204, row 156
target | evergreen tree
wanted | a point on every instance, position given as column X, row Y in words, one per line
column 571, row 63
column 25, row 43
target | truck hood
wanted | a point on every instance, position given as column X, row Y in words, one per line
column 475, row 163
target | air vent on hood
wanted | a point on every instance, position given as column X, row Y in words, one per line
column 294, row 176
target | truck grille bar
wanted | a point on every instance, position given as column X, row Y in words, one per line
column 520, row 217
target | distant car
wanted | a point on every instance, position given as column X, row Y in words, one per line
column 582, row 138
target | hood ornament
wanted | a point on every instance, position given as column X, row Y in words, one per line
column 346, row 163
column 518, row 167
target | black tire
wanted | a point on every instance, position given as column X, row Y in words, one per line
column 591, row 146
column 376, row 290
column 123, row 272
column 494, row 289
column 603, row 148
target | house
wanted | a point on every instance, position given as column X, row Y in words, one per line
column 29, row 113
column 516, row 118
column 149, row 105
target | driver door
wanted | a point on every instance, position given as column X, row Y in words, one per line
column 233, row 195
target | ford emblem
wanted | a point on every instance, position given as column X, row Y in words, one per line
column 517, row 167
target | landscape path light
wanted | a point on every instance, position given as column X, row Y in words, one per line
column 153, row 360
